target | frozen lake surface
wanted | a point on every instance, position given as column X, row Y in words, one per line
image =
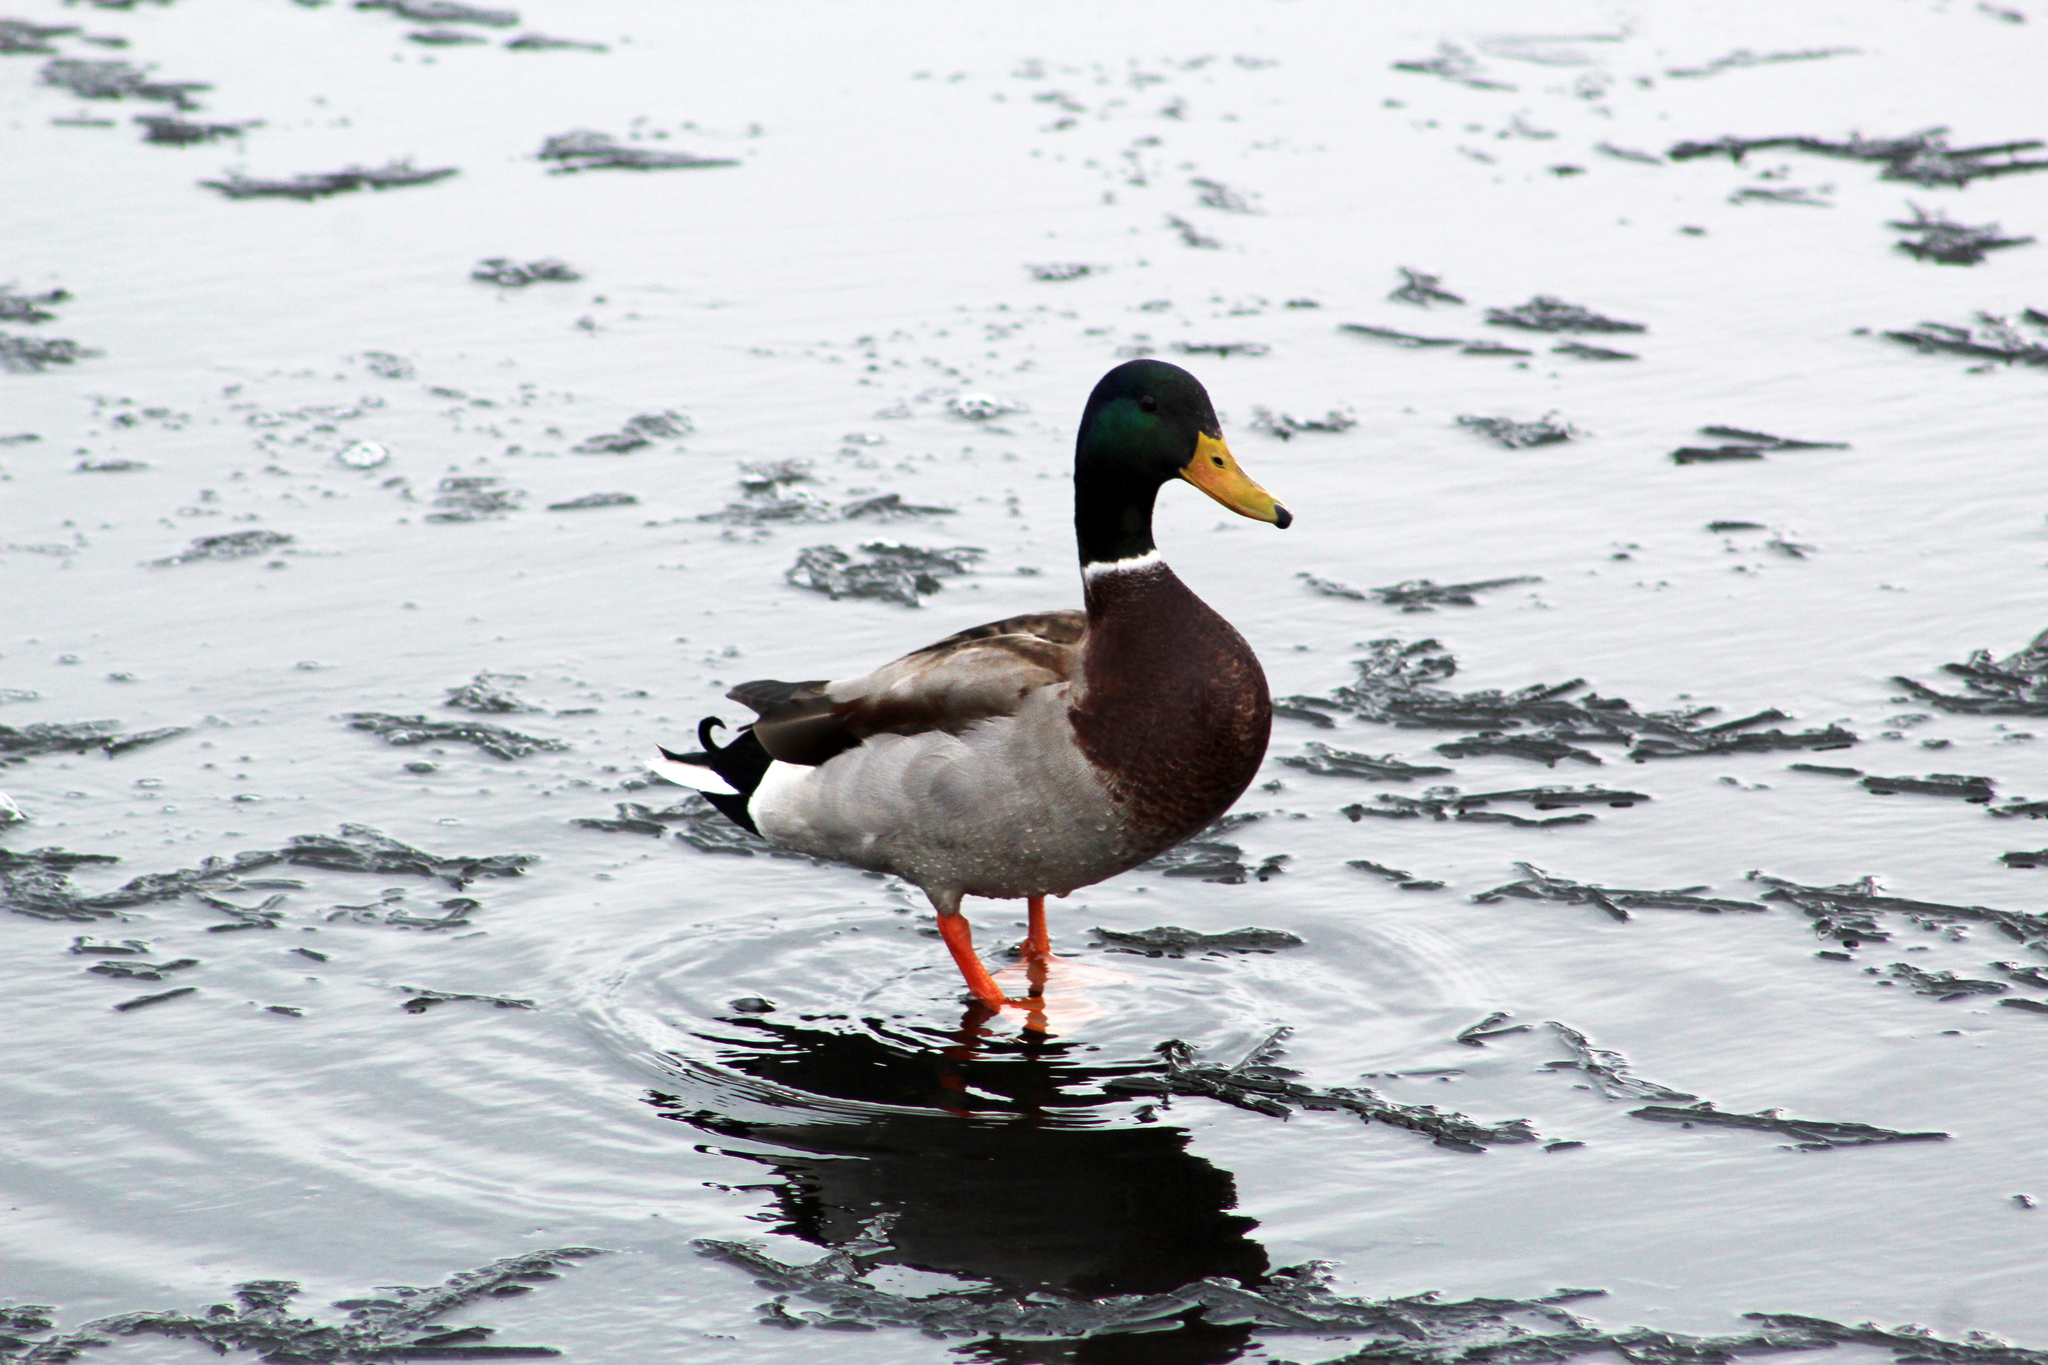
column 299, row 477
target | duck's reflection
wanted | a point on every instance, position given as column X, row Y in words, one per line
column 987, row 1156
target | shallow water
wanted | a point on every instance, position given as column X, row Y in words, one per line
column 867, row 261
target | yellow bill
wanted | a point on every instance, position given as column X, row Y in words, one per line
column 1214, row 470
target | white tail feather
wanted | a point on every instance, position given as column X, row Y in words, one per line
column 695, row 775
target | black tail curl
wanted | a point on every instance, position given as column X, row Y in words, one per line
column 742, row 763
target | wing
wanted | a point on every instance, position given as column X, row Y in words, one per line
column 968, row 677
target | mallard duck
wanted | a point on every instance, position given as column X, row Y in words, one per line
column 1034, row 755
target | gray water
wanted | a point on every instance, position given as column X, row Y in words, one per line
column 866, row 264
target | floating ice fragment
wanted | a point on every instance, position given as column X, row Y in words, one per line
column 363, row 455
column 230, row 545
column 981, row 407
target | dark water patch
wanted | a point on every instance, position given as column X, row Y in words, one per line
column 389, row 909
column 1417, row 594
column 1170, row 940
column 19, row 438
column 1328, row 762
column 1536, row 748
column 1910, row 1345
column 422, row 999
column 142, row 971
column 472, row 497
column 1221, row 349
column 2024, row 974
column 77, row 737
column 1554, row 798
column 229, row 545
column 32, row 355
column 1412, row 808
column 1207, row 855
column 893, row 573
column 1823, row 769
column 144, row 1001
column 585, row 150
column 541, row 42
column 1259, row 1084
column 38, row 883
column 406, row 731
column 1217, row 195
column 111, row 80
column 2034, row 1006
column 589, row 500
column 637, row 434
column 1636, row 155
column 1743, row 57
column 1579, row 350
column 1544, row 313
column 1494, row 1025
column 1407, row 881
column 1454, row 64
column 1922, row 158
column 2022, row 858
column 1293, row 1299
column 400, row 1324
column 326, row 184
column 168, row 130
column 108, row 466
column 359, row 848
column 1787, row 194
column 1192, row 236
column 386, row 365
column 1544, row 431
column 1286, row 426
column 1422, row 289
column 2016, row 685
column 20, row 38
column 445, row 37
column 511, row 274
column 1942, row 985
column 1607, row 1070
column 697, row 823
column 484, row 695
column 892, row 507
column 1723, row 739
column 1445, row 803
column 1399, row 338
column 1848, row 912
column 1063, row 271
column 19, row 307
column 1941, row 239
column 444, row 12
column 1993, row 338
column 2033, row 810
column 1977, row 790
column 1810, row 1135
column 1412, row 341
column 85, row 945
column 1315, row 710
column 1744, row 445
column 1394, row 687
column 1538, row 885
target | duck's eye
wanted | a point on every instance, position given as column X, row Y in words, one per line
column 1148, row 403
column 1216, row 460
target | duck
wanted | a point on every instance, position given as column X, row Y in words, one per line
column 1028, row 757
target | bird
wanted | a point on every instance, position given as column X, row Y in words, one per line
column 1041, row 753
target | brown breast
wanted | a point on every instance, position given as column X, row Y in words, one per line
column 1173, row 708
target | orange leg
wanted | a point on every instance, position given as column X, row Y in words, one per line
column 959, row 937
column 1037, row 942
